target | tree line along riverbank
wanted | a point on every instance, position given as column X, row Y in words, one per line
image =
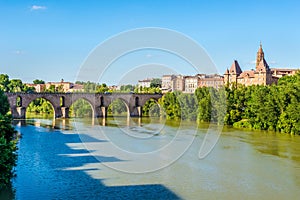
column 272, row 107
column 8, row 143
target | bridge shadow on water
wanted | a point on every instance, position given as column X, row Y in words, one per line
column 49, row 169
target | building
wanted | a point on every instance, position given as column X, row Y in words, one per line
column 76, row 88
column 191, row 83
column 144, row 83
column 178, row 83
column 216, row 81
column 188, row 84
column 283, row 72
column 59, row 86
column 171, row 83
column 37, row 87
column 262, row 75
column 167, row 83
column 113, row 87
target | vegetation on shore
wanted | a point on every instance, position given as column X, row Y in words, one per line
column 274, row 107
column 8, row 142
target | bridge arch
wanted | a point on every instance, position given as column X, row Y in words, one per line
column 152, row 108
column 101, row 101
column 28, row 103
column 19, row 101
column 28, row 100
column 84, row 100
column 136, row 101
column 62, row 101
column 115, row 102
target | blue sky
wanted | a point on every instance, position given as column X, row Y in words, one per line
column 50, row 40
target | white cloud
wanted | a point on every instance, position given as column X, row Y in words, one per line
column 36, row 7
column 149, row 55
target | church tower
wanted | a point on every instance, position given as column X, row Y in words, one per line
column 261, row 63
column 260, row 55
column 263, row 74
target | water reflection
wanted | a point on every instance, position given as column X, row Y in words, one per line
column 7, row 193
column 271, row 143
column 19, row 122
column 54, row 164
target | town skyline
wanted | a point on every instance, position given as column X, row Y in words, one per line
column 43, row 39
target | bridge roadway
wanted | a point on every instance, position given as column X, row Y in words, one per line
column 62, row 102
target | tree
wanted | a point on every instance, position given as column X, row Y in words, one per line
column 4, row 108
column 15, row 85
column 59, row 88
column 102, row 88
column 235, row 103
column 7, row 144
column 117, row 107
column 51, row 89
column 81, row 108
column 155, row 83
column 37, row 81
column 289, row 101
column 171, row 105
column 151, row 108
column 204, row 104
column 127, row 88
column 4, row 81
column 189, row 105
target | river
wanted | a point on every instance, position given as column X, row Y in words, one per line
column 151, row 159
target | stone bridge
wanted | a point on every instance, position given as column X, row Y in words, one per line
column 61, row 102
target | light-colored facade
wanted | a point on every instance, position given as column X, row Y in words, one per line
column 144, row 83
column 178, row 83
column 59, row 86
column 283, row 72
column 216, row 81
column 37, row 87
column 188, row 84
column 191, row 83
column 62, row 86
column 171, row 83
column 167, row 83
column 76, row 88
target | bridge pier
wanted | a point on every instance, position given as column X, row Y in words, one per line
column 58, row 112
column 18, row 112
column 100, row 112
column 136, row 111
column 65, row 112
column 104, row 112
column 22, row 112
